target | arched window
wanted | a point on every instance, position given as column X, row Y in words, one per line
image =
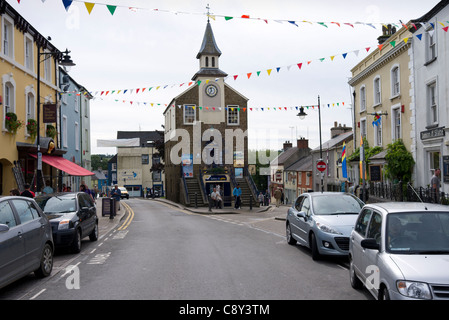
column 213, row 62
column 207, row 62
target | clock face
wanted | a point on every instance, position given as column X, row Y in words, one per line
column 211, row 90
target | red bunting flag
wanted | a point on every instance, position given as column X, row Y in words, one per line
column 245, row 16
column 235, row 77
column 299, row 66
column 249, row 75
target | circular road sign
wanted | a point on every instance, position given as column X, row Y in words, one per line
column 321, row 166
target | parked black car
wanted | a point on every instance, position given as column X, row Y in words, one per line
column 26, row 242
column 73, row 216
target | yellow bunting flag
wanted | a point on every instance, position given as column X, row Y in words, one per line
column 89, row 6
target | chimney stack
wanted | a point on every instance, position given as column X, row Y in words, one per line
column 287, row 145
column 303, row 143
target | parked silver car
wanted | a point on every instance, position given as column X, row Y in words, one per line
column 401, row 251
column 26, row 242
column 323, row 222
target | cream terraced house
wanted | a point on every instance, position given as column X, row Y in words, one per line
column 383, row 84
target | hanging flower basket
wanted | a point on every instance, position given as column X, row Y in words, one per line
column 11, row 122
column 32, row 128
column 51, row 131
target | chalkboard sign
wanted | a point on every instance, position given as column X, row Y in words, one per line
column 375, row 173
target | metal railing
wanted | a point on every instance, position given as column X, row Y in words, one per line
column 407, row 193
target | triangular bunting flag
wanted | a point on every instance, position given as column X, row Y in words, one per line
column 344, row 55
column 299, row 66
column 269, row 71
column 228, row 18
column 111, row 8
column 258, row 73
column 67, row 4
column 249, row 75
column 235, row 77
column 89, row 6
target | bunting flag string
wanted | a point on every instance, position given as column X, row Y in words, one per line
column 217, row 109
column 112, row 8
column 248, row 75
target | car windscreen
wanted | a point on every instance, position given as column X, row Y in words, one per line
column 57, row 204
column 418, row 233
column 336, row 204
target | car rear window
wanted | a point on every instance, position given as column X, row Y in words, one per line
column 57, row 204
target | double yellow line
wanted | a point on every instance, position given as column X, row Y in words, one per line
column 128, row 219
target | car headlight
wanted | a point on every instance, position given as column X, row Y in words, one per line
column 64, row 224
column 327, row 229
column 417, row 290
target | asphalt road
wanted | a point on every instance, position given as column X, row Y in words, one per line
column 159, row 252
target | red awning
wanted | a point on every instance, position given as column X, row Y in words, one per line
column 65, row 165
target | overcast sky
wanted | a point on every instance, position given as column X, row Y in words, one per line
column 143, row 48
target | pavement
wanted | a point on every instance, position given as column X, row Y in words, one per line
column 271, row 211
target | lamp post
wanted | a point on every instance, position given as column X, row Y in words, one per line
column 65, row 61
column 301, row 116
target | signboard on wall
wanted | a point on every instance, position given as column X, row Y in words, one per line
column 49, row 113
column 187, row 165
column 129, row 177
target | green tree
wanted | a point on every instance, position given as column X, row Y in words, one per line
column 399, row 162
column 100, row 161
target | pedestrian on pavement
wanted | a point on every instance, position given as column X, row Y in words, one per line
column 116, row 194
column 261, row 198
column 237, row 194
column 277, row 196
column 27, row 192
column 48, row 189
column 218, row 201
column 14, row 192
column 267, row 198
column 435, row 185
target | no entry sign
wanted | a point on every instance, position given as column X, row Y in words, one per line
column 321, row 166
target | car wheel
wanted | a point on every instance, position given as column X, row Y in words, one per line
column 355, row 281
column 76, row 245
column 314, row 247
column 94, row 234
column 46, row 265
column 290, row 239
column 384, row 294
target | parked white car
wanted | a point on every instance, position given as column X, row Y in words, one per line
column 401, row 251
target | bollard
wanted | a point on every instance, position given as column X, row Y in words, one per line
column 112, row 211
column 250, row 202
column 196, row 200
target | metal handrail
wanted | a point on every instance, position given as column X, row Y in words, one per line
column 185, row 188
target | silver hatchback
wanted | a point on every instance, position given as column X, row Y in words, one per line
column 26, row 242
column 401, row 251
column 323, row 222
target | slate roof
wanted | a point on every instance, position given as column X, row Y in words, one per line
column 143, row 135
column 209, row 46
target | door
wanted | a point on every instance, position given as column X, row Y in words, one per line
column 33, row 232
column 357, row 236
column 87, row 212
column 300, row 224
column 12, row 245
column 370, row 259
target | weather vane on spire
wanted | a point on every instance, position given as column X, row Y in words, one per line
column 208, row 12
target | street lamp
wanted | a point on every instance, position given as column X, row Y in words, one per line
column 65, row 61
column 301, row 116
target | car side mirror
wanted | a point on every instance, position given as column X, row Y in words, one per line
column 301, row 214
column 370, row 244
column 4, row 228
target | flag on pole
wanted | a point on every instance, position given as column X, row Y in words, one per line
column 362, row 156
column 343, row 162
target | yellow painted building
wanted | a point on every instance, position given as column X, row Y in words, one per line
column 20, row 44
column 382, row 85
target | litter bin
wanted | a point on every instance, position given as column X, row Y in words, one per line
column 108, row 207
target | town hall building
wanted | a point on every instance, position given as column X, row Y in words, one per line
column 206, row 142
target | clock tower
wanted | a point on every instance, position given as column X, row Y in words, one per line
column 205, row 134
column 211, row 87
